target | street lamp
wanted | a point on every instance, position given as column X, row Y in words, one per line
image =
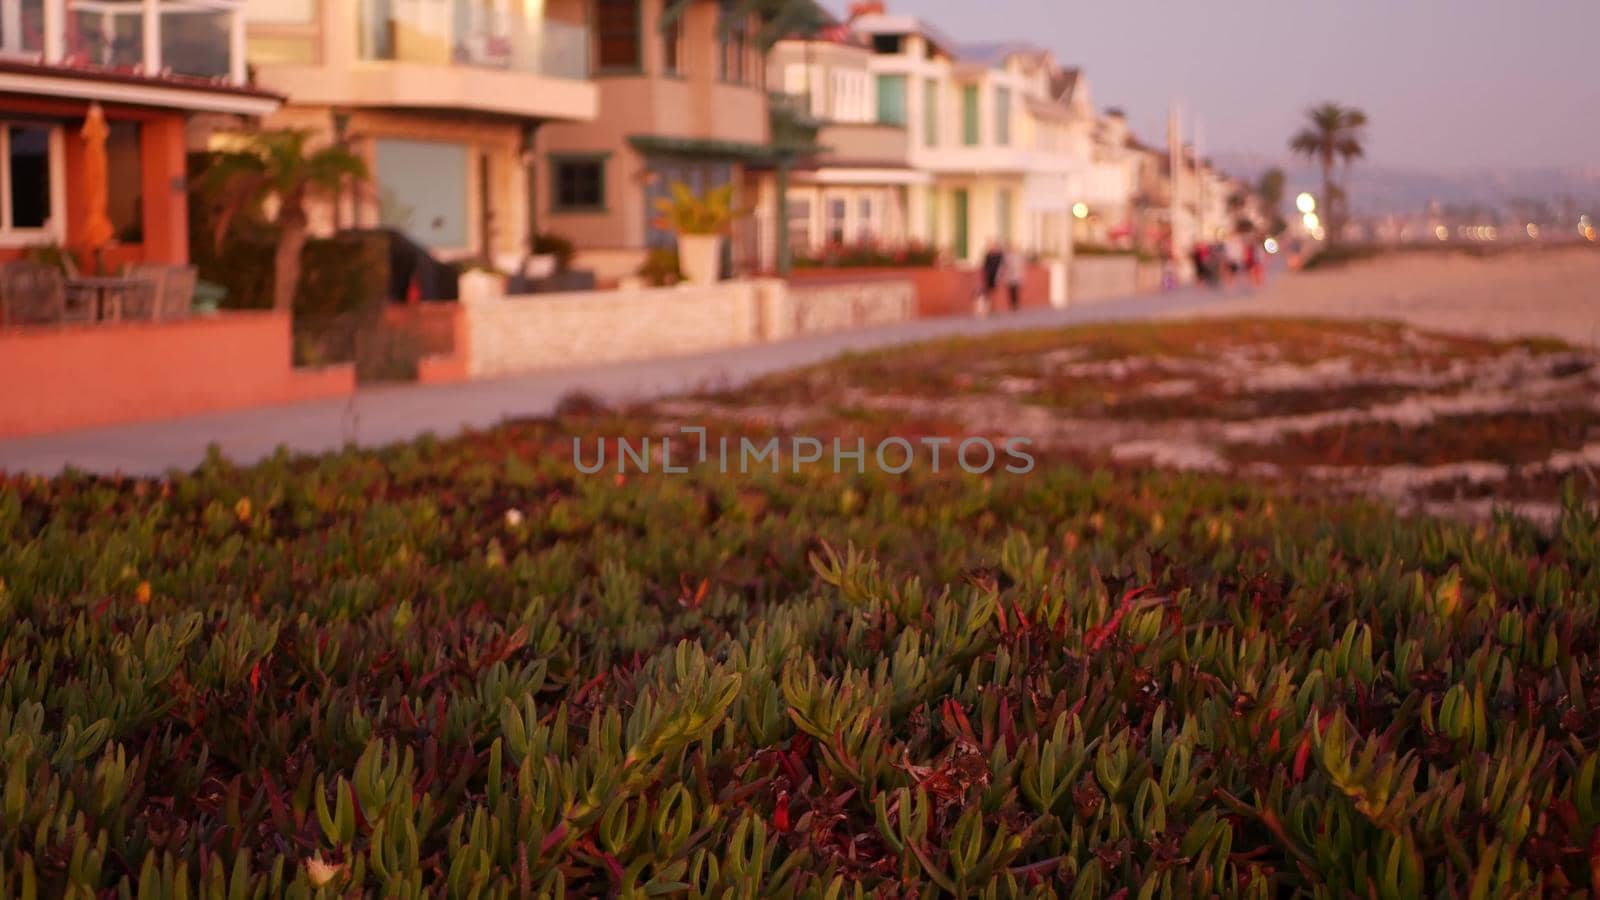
column 1312, row 221
column 1305, row 202
column 1080, row 210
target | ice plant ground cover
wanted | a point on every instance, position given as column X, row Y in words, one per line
column 462, row 668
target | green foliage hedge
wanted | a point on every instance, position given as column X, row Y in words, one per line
column 339, row 275
column 462, row 669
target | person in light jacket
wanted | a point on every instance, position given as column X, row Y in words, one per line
column 1014, row 268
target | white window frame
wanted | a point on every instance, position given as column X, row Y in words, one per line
column 23, row 237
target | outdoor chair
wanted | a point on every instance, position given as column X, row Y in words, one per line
column 173, row 290
column 32, row 293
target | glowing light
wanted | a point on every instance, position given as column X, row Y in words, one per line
column 1080, row 210
column 1533, row 231
column 1491, row 233
column 1311, row 221
column 1589, row 232
column 1270, row 245
column 1317, row 234
column 1305, row 203
column 1441, row 232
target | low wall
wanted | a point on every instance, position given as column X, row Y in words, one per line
column 819, row 304
column 940, row 290
column 504, row 335
column 1103, row 278
column 538, row 331
column 61, row 377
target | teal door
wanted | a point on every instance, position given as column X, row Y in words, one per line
column 959, row 242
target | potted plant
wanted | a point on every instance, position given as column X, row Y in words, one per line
column 700, row 223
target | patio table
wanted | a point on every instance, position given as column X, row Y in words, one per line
column 109, row 292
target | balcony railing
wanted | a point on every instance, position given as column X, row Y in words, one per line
column 472, row 33
column 201, row 39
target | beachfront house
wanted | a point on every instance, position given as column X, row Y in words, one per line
column 150, row 66
column 443, row 98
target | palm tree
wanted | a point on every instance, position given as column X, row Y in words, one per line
column 1333, row 134
column 1270, row 190
column 276, row 166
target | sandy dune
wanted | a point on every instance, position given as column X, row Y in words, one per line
column 1549, row 293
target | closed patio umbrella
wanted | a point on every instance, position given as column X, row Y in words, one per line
column 97, row 230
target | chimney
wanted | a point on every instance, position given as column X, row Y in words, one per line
column 867, row 8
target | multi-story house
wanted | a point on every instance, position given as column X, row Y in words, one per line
column 986, row 123
column 443, row 98
column 151, row 65
column 857, row 188
column 683, row 97
column 1106, row 216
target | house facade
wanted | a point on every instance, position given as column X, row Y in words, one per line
column 442, row 98
column 858, row 189
column 682, row 88
column 152, row 66
column 985, row 124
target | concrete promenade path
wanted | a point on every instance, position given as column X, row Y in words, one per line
column 376, row 416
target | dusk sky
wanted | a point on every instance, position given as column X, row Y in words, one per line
column 1449, row 84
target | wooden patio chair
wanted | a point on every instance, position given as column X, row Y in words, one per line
column 32, row 293
column 173, row 288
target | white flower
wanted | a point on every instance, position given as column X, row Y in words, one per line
column 319, row 872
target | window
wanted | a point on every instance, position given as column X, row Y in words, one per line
column 887, row 44
column 423, row 190
column 837, row 210
column 734, row 43
column 866, row 222
column 672, row 48
column 26, row 160
column 1002, row 116
column 617, row 35
column 969, row 115
column 892, row 99
column 930, row 113
column 800, row 223
column 578, row 183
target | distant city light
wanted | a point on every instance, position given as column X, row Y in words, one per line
column 1533, row 231
column 1318, row 234
column 1312, row 221
column 1305, row 203
column 1080, row 210
column 1270, row 245
column 1441, row 232
column 1491, row 233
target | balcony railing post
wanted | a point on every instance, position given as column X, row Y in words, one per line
column 152, row 37
column 55, row 21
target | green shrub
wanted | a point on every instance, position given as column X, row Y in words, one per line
column 558, row 246
column 460, row 669
column 660, row 268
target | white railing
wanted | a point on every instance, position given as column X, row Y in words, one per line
column 201, row 39
column 461, row 32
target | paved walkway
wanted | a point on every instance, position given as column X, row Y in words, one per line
column 376, row 416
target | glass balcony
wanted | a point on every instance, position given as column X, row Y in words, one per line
column 21, row 28
column 484, row 33
column 190, row 38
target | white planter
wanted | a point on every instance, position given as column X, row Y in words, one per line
column 700, row 257
column 478, row 286
column 540, row 266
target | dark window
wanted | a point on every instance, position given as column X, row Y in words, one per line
column 888, row 44
column 579, row 184
column 734, row 44
column 671, row 43
column 29, row 150
column 617, row 34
